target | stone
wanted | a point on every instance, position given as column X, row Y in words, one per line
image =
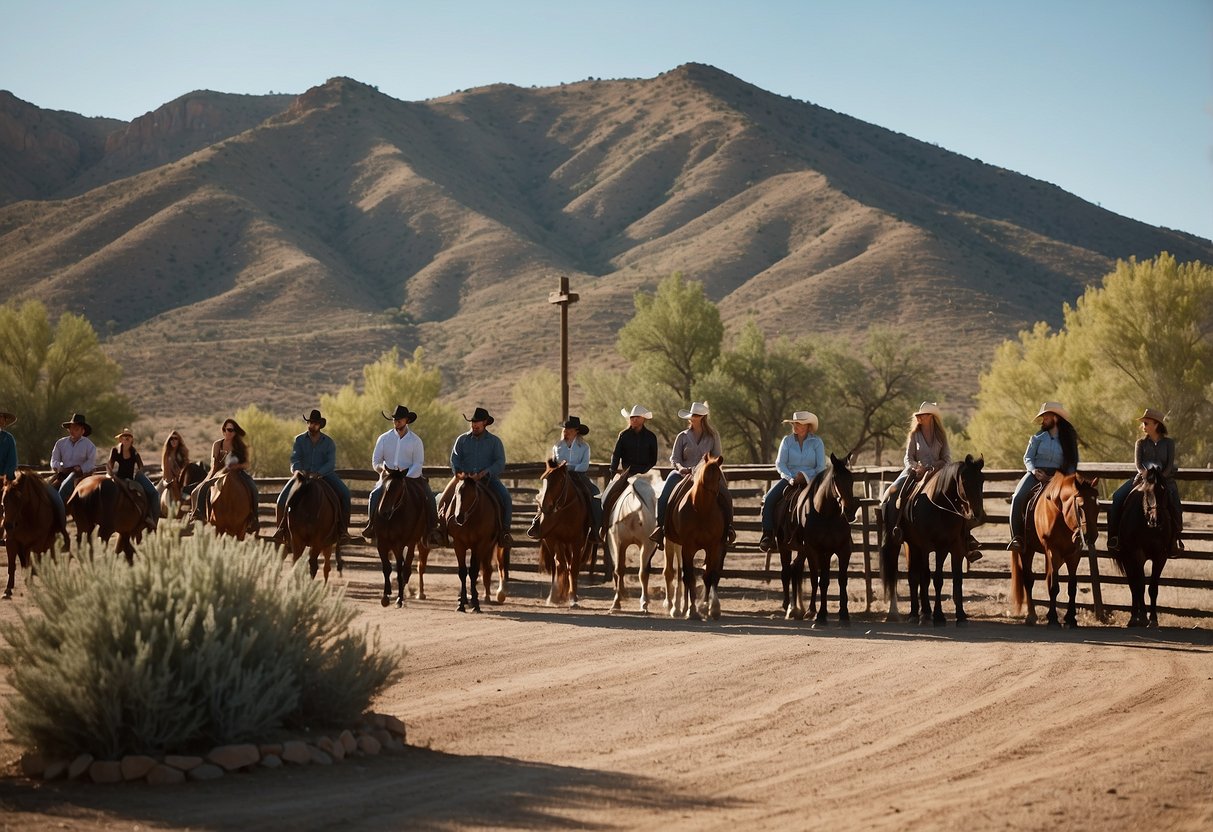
column 325, row 744
column 374, row 720
column 79, row 766
column 136, row 766
column 33, row 763
column 394, row 746
column 337, row 752
column 163, row 775
column 206, row 771
column 105, row 771
column 296, row 752
column 348, row 742
column 274, row 748
column 396, row 726
column 55, row 769
column 182, row 762
column 319, row 757
column 232, row 757
column 271, row 761
column 368, row 744
column 383, row 735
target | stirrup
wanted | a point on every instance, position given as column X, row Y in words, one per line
column 765, row 543
column 1114, row 544
column 658, row 536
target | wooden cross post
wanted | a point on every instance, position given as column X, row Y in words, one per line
column 564, row 298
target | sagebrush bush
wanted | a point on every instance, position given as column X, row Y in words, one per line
column 204, row 640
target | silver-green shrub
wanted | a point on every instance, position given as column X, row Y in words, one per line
column 204, row 640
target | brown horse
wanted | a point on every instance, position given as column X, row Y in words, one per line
column 471, row 521
column 402, row 527
column 313, row 522
column 229, row 505
column 1064, row 521
column 171, row 502
column 1146, row 534
column 696, row 522
column 30, row 524
column 104, row 504
column 562, row 522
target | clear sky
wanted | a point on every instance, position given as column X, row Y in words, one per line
column 1110, row 99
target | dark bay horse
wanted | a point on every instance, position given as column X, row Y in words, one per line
column 471, row 521
column 107, row 505
column 1146, row 534
column 820, row 519
column 30, row 524
column 1064, row 520
column 229, row 505
column 936, row 519
column 562, row 523
column 402, row 528
column 172, row 503
column 313, row 523
column 695, row 522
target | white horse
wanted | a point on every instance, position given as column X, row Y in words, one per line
column 632, row 520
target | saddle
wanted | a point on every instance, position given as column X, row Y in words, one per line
column 133, row 492
column 785, row 508
column 330, row 496
column 1031, row 540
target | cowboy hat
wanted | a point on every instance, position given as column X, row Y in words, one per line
column 637, row 410
column 480, row 415
column 125, row 432
column 315, row 416
column 929, row 407
column 697, row 409
column 78, row 419
column 575, row 423
column 235, row 426
column 6, row 418
column 1157, row 416
column 401, row 412
column 1055, row 408
column 802, row 417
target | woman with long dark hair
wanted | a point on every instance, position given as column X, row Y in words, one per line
column 1051, row 449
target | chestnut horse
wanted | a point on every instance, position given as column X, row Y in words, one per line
column 229, row 503
column 696, row 522
column 562, row 523
column 313, row 523
column 1065, row 520
column 1146, row 534
column 171, row 502
column 937, row 517
column 104, row 504
column 402, row 528
column 633, row 518
column 30, row 524
column 471, row 522
column 820, row 519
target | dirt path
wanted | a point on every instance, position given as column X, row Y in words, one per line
column 526, row 717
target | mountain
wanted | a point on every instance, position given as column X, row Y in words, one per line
column 264, row 248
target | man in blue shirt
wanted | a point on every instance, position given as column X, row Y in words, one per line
column 8, row 448
column 314, row 453
column 479, row 455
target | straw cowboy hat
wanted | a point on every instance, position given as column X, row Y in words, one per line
column 697, row 409
column 480, row 415
column 78, row 419
column 802, row 417
column 1055, row 408
column 575, row 423
column 6, row 418
column 1157, row 416
column 637, row 410
column 929, row 407
column 401, row 412
column 125, row 432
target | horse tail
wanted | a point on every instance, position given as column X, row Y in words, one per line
column 1018, row 595
column 890, row 550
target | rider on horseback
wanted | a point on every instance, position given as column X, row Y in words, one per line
column 802, row 456
column 479, row 455
column 126, row 464
column 72, row 459
column 228, row 455
column 8, row 448
column 690, row 447
column 575, row 453
column 315, row 454
column 399, row 449
column 1051, row 449
column 635, row 453
column 1155, row 449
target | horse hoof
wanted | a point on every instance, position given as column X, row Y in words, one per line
column 962, row 622
column 476, row 608
column 384, row 601
column 462, row 608
column 8, row 593
column 420, row 596
column 412, row 592
column 400, row 603
column 1071, row 625
column 940, row 621
column 1054, row 625
column 501, row 596
column 844, row 622
column 1152, row 624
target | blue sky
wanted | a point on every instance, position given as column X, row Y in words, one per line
column 1109, row 99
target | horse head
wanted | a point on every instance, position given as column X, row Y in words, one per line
column 970, row 486
column 464, row 499
column 842, row 487
column 11, row 501
column 1086, row 507
column 554, row 495
column 1154, row 493
column 708, row 474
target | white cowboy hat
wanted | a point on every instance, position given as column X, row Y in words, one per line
column 1056, row 408
column 802, row 417
column 929, row 407
column 637, row 410
column 697, row 409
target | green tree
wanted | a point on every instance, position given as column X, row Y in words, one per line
column 753, row 388
column 530, row 429
column 47, row 373
column 604, row 393
column 674, row 337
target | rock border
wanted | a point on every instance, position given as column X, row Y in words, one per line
column 374, row 734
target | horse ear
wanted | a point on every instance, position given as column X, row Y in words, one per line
column 833, row 458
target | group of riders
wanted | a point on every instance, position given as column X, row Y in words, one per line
column 479, row 454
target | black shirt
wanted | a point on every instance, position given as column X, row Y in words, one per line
column 636, row 450
column 124, row 468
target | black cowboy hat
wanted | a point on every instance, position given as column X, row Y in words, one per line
column 479, row 415
column 315, row 416
column 401, row 412
column 236, row 425
column 575, row 423
column 78, row 419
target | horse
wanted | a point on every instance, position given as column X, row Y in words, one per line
column 471, row 521
column 1146, row 534
column 1064, row 520
column 402, row 528
column 313, row 522
column 937, row 517
column 633, row 518
column 696, row 522
column 562, row 523
column 229, row 504
column 30, row 524
column 102, row 503
column 172, row 503
column 820, row 518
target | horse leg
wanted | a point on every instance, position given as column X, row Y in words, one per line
column 473, row 572
column 621, row 565
column 574, row 564
column 937, row 616
column 1155, row 573
column 327, row 553
column 1054, row 586
column 503, row 572
column 461, row 555
column 1025, row 563
column 1136, row 575
column 844, row 609
column 1072, row 607
column 712, row 567
column 385, row 565
column 12, row 571
column 958, row 598
column 823, row 587
column 668, row 573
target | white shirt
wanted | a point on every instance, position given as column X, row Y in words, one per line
column 400, row 453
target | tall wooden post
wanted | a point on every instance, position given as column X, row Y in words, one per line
column 564, row 298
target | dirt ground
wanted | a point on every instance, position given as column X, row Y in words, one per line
column 529, row 717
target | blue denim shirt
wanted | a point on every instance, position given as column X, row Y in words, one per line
column 577, row 456
column 8, row 454
column 320, row 458
column 1044, row 451
column 473, row 454
column 809, row 459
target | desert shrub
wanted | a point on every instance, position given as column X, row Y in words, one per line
column 204, row 640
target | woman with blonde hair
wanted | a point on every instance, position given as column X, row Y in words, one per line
column 174, row 457
column 689, row 448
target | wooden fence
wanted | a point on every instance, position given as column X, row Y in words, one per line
column 1192, row 572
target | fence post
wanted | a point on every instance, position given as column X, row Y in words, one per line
column 1096, row 594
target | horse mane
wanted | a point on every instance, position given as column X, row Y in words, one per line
column 821, row 486
column 943, row 481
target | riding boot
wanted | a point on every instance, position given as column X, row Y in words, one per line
column 658, row 537
column 973, row 549
column 279, row 526
column 368, row 531
column 533, row 530
column 767, row 542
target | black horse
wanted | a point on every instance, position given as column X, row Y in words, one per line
column 1146, row 534
column 820, row 519
column 936, row 519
